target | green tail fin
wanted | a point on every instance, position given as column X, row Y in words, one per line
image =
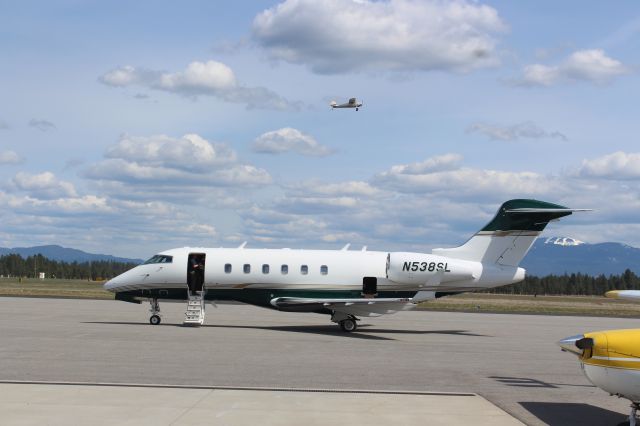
column 510, row 234
column 525, row 215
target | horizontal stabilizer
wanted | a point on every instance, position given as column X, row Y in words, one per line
column 530, row 210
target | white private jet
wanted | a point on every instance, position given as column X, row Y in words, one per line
column 353, row 103
column 611, row 359
column 341, row 283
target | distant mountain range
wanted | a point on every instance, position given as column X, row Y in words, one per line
column 559, row 255
column 556, row 255
column 64, row 254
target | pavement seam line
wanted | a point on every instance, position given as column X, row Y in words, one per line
column 248, row 388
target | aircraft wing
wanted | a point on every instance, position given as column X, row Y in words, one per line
column 624, row 294
column 358, row 307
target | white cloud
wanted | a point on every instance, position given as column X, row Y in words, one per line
column 202, row 229
column 469, row 182
column 120, row 77
column 242, row 175
column 43, row 185
column 618, row 165
column 42, row 125
column 10, row 157
column 134, row 173
column 199, row 77
column 526, row 130
column 190, row 152
column 348, row 188
column 591, row 65
column 172, row 168
column 288, row 139
column 339, row 36
column 57, row 206
column 438, row 163
column 209, row 78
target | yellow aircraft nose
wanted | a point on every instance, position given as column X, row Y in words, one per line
column 613, row 294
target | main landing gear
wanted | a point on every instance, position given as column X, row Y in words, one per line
column 155, row 312
column 348, row 323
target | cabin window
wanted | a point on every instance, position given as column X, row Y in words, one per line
column 265, row 269
column 324, row 269
column 227, row 268
column 284, row 269
column 246, row 268
column 304, row 269
column 159, row 258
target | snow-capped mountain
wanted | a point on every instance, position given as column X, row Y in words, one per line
column 557, row 255
column 563, row 241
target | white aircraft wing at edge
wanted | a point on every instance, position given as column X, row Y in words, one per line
column 360, row 307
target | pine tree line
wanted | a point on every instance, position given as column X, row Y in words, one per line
column 14, row 265
column 572, row 284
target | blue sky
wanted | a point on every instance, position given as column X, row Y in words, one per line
column 131, row 128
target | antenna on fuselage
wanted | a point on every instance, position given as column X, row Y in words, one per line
column 346, row 247
column 241, row 246
column 364, row 248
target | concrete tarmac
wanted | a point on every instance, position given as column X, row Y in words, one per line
column 39, row 404
column 511, row 360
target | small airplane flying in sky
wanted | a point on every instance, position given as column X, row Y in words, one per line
column 353, row 103
column 611, row 361
column 341, row 283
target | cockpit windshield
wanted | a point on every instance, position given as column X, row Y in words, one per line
column 159, row 258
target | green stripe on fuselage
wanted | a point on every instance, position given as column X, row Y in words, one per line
column 258, row 297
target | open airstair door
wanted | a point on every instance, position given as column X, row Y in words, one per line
column 195, row 272
column 194, row 314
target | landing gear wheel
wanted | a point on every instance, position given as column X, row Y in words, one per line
column 154, row 320
column 348, row 325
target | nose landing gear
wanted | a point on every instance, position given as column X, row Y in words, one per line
column 155, row 312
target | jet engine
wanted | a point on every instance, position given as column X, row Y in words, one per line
column 420, row 268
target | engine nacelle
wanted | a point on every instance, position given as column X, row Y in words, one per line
column 420, row 268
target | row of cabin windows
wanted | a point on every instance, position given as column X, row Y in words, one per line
column 284, row 269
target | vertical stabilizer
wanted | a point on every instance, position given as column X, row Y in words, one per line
column 510, row 234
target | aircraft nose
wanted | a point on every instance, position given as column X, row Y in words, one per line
column 110, row 285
